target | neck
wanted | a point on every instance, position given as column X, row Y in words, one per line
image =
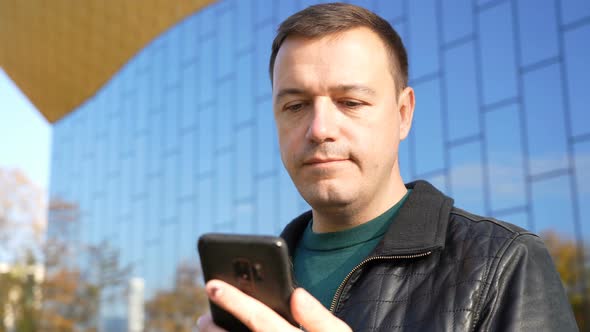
column 339, row 218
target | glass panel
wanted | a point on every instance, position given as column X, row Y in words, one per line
column 466, row 177
column 264, row 36
column 187, row 165
column 266, row 140
column 497, row 53
column 552, row 208
column 582, row 181
column 206, row 140
column 225, row 43
column 391, row 10
column 141, row 108
column 169, row 189
column 423, row 44
column 573, row 10
column 171, row 120
column 190, row 39
column 537, row 25
column 187, row 230
column 505, row 158
column 457, row 19
column 243, row 166
column 205, row 197
column 461, row 86
column 266, row 207
column 224, row 114
column 577, row 53
column 263, row 11
column 190, row 98
column 244, row 91
column 428, row 128
column 244, row 25
column 224, row 191
column 546, row 133
column 206, row 65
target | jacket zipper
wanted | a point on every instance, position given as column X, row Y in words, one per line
column 341, row 287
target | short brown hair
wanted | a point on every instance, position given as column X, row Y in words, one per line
column 325, row 19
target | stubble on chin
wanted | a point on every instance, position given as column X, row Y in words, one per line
column 326, row 194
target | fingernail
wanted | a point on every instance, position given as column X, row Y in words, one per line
column 214, row 291
column 199, row 321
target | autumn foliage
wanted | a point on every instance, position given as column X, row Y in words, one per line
column 177, row 309
column 571, row 261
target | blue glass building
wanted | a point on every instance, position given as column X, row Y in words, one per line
column 181, row 141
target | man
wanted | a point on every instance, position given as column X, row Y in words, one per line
column 381, row 255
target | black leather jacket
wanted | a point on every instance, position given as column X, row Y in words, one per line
column 439, row 268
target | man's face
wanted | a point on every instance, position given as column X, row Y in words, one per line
column 337, row 116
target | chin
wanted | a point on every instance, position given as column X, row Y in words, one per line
column 327, row 197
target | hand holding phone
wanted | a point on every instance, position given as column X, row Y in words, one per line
column 257, row 265
column 307, row 310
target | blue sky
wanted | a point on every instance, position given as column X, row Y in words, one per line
column 25, row 134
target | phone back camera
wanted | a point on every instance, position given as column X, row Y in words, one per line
column 242, row 270
column 257, row 271
column 243, row 274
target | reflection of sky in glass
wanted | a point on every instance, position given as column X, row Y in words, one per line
column 466, row 176
column 582, row 183
column 497, row 54
column 577, row 53
column 224, row 179
column 542, row 97
column 505, row 160
column 573, row 11
column 429, row 136
column 556, row 194
column 424, row 36
column 457, row 20
column 182, row 140
column 461, row 88
column 543, row 23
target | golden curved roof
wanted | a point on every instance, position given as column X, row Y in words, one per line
column 61, row 52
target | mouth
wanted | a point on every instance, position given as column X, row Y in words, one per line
column 317, row 161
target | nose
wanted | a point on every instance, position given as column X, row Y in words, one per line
column 323, row 126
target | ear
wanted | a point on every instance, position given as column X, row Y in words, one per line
column 406, row 103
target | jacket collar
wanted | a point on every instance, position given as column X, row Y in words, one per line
column 420, row 224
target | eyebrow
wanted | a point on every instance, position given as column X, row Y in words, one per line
column 338, row 88
column 289, row 91
column 355, row 88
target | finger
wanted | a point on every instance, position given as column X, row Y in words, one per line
column 312, row 315
column 253, row 313
column 206, row 324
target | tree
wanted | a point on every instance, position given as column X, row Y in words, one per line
column 72, row 295
column 177, row 310
column 22, row 226
column 42, row 285
column 567, row 255
column 22, row 216
column 72, row 298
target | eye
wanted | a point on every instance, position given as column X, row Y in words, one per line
column 351, row 103
column 295, row 107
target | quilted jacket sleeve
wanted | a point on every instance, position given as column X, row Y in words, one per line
column 525, row 292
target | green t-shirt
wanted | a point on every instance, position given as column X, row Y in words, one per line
column 322, row 260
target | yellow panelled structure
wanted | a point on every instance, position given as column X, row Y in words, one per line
column 60, row 52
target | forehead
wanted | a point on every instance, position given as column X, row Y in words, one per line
column 353, row 56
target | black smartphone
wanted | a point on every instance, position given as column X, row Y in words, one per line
column 257, row 265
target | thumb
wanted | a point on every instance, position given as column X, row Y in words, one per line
column 312, row 315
